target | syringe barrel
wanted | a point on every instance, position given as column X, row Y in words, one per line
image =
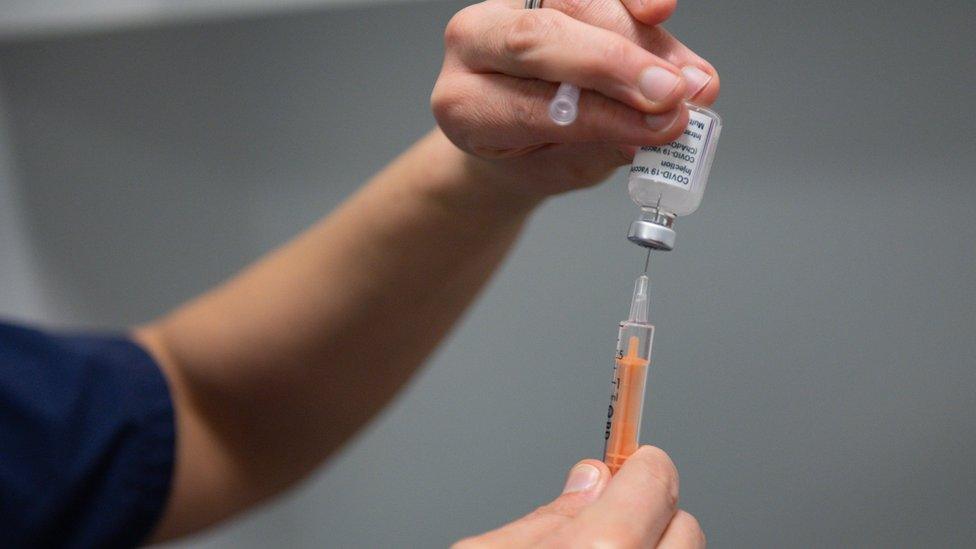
column 627, row 389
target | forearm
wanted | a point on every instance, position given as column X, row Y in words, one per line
column 276, row 368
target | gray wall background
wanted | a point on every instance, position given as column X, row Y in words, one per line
column 815, row 371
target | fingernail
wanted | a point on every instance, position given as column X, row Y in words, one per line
column 696, row 80
column 659, row 122
column 581, row 478
column 657, row 83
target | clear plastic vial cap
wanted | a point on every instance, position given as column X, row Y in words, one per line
column 668, row 180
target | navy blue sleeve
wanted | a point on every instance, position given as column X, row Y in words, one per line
column 86, row 440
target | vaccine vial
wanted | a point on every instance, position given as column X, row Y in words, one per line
column 668, row 180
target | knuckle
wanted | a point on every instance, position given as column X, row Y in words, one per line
column 527, row 31
column 445, row 100
column 530, row 111
column 611, row 116
column 452, row 98
column 459, row 27
column 614, row 54
column 449, row 103
column 655, row 39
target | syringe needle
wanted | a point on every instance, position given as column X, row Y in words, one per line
column 647, row 260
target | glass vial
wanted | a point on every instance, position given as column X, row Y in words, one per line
column 668, row 181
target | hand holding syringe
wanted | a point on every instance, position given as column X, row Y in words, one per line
column 502, row 67
column 565, row 105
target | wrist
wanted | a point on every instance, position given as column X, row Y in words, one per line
column 462, row 180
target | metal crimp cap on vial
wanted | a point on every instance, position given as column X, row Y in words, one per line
column 653, row 230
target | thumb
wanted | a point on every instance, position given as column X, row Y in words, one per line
column 588, row 478
column 584, row 483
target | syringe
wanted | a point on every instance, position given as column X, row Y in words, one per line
column 565, row 104
column 629, row 380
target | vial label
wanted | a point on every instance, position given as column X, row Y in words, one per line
column 676, row 163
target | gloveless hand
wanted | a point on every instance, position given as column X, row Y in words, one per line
column 637, row 507
column 503, row 64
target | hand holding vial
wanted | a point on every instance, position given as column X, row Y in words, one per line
column 502, row 69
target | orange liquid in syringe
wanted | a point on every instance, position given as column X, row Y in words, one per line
column 626, row 404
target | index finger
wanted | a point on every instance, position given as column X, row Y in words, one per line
column 649, row 12
column 638, row 504
column 549, row 45
column 638, row 21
